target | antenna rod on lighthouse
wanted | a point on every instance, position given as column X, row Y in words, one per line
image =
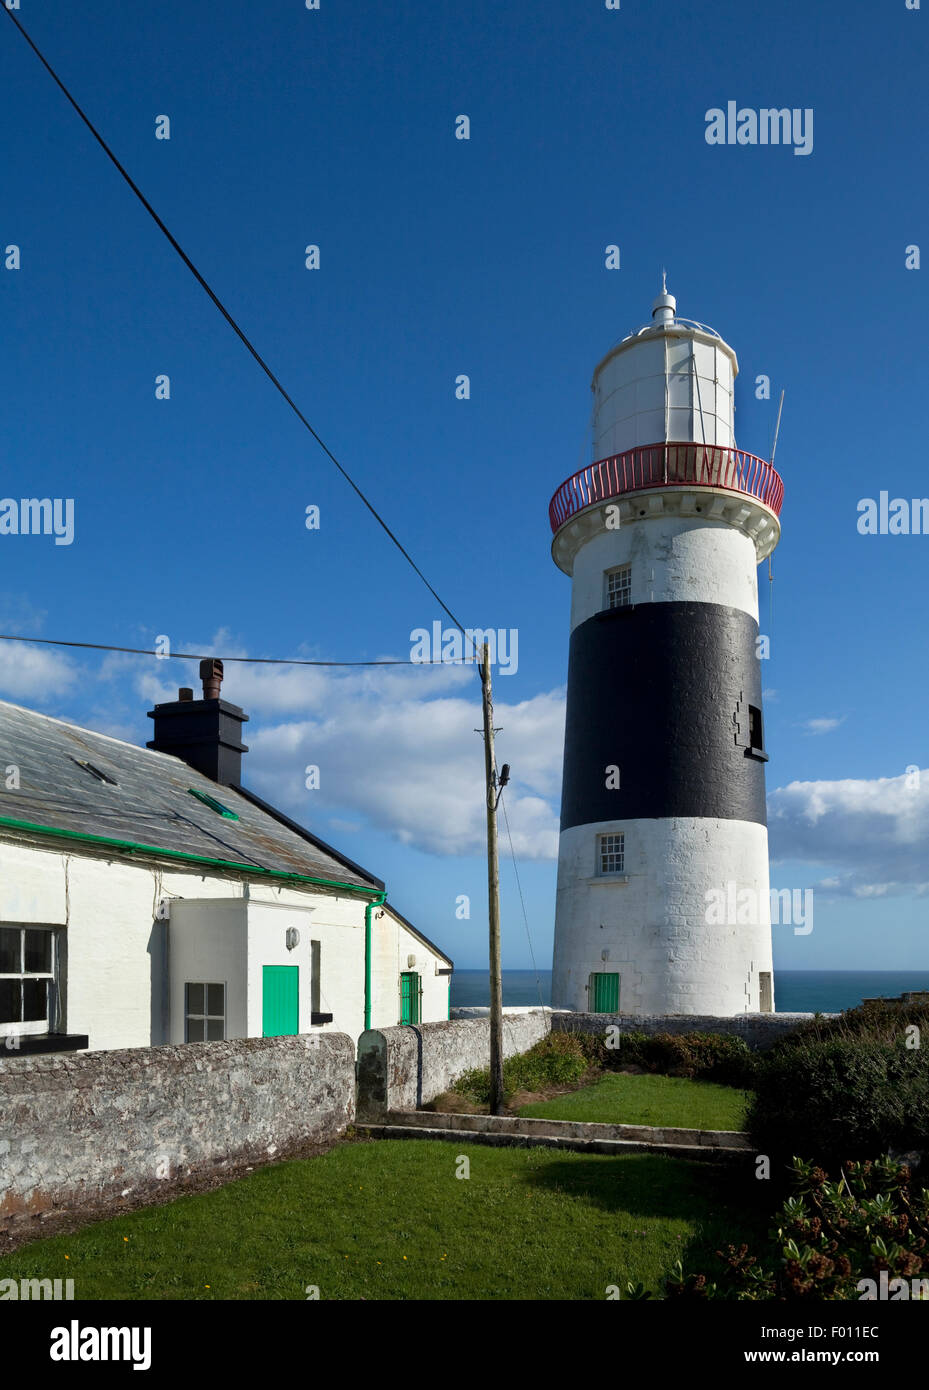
column 777, row 428
column 493, row 893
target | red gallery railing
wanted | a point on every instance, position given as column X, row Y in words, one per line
column 667, row 465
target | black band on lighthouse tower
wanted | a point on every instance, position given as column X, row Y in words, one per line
column 664, row 692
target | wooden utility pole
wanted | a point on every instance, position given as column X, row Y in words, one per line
column 493, row 895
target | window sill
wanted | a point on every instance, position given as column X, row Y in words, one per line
column 318, row 1019
column 609, row 878
column 34, row 1043
column 757, row 754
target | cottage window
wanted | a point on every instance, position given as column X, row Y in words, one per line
column 204, row 1013
column 28, row 980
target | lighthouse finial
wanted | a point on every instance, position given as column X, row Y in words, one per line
column 665, row 306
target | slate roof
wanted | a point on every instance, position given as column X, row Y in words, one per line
column 150, row 803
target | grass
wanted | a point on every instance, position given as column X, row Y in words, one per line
column 621, row 1098
column 390, row 1220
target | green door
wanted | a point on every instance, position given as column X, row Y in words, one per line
column 280, row 1000
column 410, row 991
column 604, row 993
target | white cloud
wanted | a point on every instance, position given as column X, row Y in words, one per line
column 395, row 746
column 874, row 834
column 33, row 673
column 414, row 767
column 19, row 615
column 822, row 726
column 347, row 827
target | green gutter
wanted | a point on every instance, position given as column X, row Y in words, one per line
column 369, row 907
column 130, row 846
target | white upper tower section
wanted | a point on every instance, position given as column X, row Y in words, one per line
column 671, row 380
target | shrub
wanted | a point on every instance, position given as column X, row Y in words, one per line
column 838, row 1095
column 882, row 1020
column 708, row 1056
column 830, row 1236
column 559, row 1059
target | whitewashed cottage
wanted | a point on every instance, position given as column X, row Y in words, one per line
column 147, row 897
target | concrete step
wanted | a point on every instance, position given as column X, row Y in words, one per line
column 569, row 1129
column 512, row 1139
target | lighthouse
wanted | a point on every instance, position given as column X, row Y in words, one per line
column 663, row 902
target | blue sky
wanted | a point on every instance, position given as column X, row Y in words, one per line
column 486, row 257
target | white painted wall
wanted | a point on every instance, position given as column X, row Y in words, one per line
column 393, row 945
column 674, row 559
column 118, row 975
column 670, row 960
column 337, row 923
column 207, row 944
column 111, row 937
column 268, row 924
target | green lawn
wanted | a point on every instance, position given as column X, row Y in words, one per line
column 622, row 1099
column 390, row 1220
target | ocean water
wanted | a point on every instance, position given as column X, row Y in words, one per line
column 795, row 991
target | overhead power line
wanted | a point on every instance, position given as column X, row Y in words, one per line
column 496, row 995
column 229, row 319
column 201, row 656
column 522, row 900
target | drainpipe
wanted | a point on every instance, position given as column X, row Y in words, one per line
column 375, row 902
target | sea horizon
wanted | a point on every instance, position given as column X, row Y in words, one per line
column 795, row 991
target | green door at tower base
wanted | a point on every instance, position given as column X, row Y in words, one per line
column 603, row 993
column 280, row 1001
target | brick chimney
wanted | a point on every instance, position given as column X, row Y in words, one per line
column 205, row 733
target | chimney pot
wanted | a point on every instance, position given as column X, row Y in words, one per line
column 211, row 673
column 207, row 733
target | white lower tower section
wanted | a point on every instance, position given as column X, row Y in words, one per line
column 649, row 932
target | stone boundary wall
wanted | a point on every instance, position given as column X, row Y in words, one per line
column 402, row 1068
column 759, row 1031
column 80, row 1128
column 483, row 1011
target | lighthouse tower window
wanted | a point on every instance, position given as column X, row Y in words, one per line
column 619, row 587
column 755, row 730
column 613, row 854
